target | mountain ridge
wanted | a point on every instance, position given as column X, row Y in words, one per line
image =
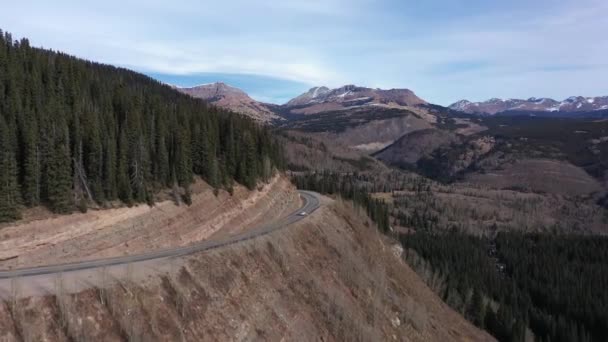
column 572, row 104
column 322, row 99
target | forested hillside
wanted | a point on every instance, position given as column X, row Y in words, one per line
column 553, row 285
column 75, row 133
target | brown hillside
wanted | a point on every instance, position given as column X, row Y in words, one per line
column 331, row 277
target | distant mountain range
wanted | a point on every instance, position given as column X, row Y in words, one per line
column 320, row 100
column 316, row 100
column 574, row 104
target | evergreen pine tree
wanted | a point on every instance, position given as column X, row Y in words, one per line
column 93, row 156
column 477, row 310
column 183, row 158
column 59, row 172
column 248, row 165
column 9, row 190
column 30, row 162
column 109, row 168
column 125, row 193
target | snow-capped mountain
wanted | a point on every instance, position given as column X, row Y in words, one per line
column 572, row 104
column 234, row 99
column 313, row 95
column 322, row 99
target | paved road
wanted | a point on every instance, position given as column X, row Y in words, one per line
column 310, row 204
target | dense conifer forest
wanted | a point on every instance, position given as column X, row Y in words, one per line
column 75, row 133
column 553, row 285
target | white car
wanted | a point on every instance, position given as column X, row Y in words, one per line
column 302, row 214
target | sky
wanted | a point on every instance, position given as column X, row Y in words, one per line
column 443, row 50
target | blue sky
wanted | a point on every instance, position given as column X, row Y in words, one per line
column 274, row 50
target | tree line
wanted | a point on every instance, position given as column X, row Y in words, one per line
column 75, row 133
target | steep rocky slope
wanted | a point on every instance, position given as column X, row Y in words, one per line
column 331, row 277
column 234, row 99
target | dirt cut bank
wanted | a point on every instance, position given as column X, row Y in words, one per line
column 122, row 231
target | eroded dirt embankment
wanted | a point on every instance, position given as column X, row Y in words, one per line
column 330, row 277
column 121, row 231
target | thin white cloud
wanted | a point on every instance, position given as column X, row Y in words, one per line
column 221, row 56
column 555, row 52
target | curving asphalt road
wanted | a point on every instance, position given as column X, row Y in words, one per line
column 310, row 204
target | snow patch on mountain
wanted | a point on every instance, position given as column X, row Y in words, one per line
column 342, row 96
column 532, row 104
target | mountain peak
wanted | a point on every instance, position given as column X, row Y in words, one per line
column 212, row 90
column 231, row 98
column 461, row 105
column 352, row 95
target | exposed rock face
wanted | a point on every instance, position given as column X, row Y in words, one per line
column 323, row 99
column 574, row 104
column 234, row 99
